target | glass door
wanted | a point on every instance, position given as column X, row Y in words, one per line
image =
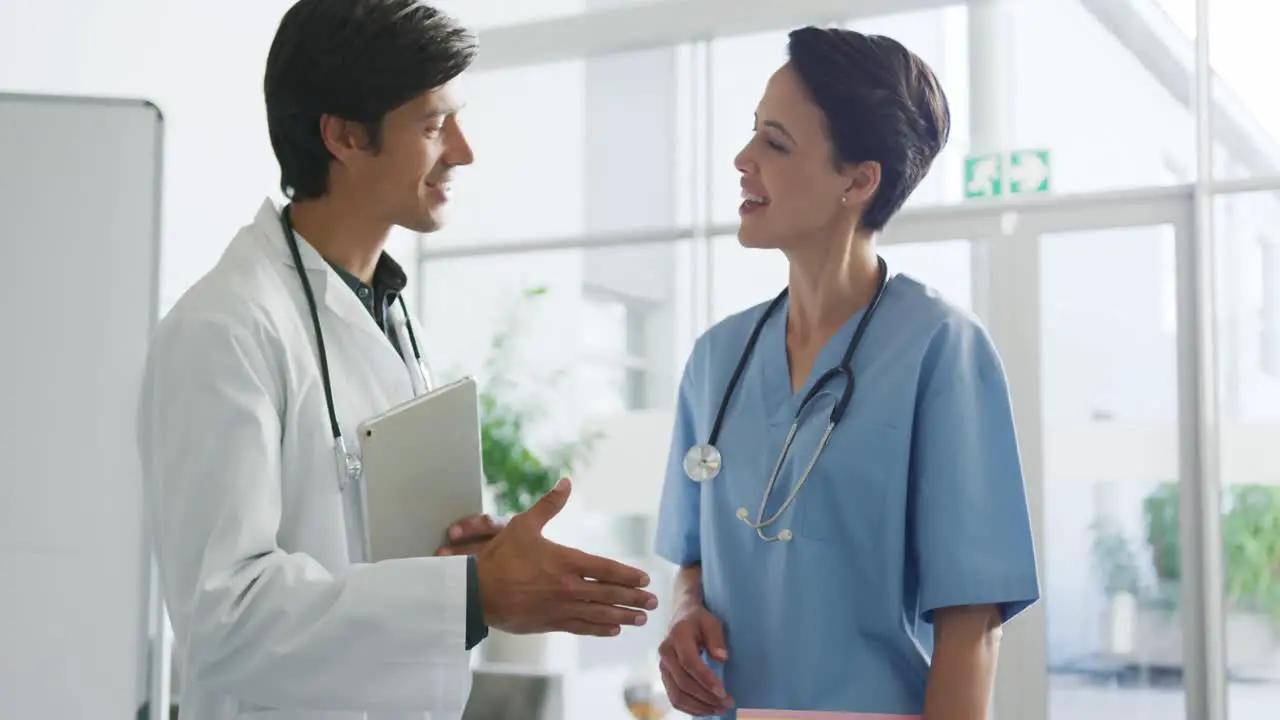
column 1082, row 299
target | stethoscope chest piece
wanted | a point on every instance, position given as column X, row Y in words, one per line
column 702, row 462
column 349, row 466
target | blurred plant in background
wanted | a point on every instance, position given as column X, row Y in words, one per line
column 510, row 409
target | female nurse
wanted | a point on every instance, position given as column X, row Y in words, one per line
column 844, row 495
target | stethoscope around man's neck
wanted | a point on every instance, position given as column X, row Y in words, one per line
column 349, row 467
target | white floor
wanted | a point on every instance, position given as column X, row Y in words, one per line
column 1073, row 699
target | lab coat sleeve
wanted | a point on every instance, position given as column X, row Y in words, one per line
column 267, row 627
column 970, row 522
column 679, row 510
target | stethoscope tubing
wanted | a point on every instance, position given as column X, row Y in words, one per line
column 286, row 224
column 845, row 369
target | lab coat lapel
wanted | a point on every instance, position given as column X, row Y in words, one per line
column 333, row 296
column 330, row 291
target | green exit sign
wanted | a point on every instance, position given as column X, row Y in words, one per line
column 1021, row 172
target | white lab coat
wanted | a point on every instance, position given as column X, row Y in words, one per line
column 275, row 615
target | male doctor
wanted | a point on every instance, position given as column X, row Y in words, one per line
column 275, row 611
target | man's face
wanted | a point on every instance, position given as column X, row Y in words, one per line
column 406, row 181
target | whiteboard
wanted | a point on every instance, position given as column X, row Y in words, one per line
column 80, row 189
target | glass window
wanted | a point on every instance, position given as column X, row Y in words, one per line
column 604, row 327
column 1168, row 281
column 1010, row 95
column 496, row 13
column 1248, row 286
column 944, row 265
column 613, row 343
column 615, row 327
column 743, row 277
column 584, row 146
column 526, row 127
column 490, row 13
column 1248, row 316
column 1268, row 278
column 1099, row 134
column 939, row 37
column 1242, row 53
column 740, row 67
column 603, row 388
column 567, row 334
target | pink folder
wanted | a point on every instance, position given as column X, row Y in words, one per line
column 752, row 714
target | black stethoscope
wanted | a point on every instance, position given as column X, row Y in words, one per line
column 703, row 461
column 349, row 467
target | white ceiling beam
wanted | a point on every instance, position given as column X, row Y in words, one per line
column 663, row 23
column 1169, row 56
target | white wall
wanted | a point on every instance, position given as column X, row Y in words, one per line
column 202, row 63
column 180, row 56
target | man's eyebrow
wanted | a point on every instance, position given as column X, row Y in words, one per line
column 442, row 111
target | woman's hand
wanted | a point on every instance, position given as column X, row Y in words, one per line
column 691, row 686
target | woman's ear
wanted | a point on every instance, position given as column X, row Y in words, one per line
column 864, row 180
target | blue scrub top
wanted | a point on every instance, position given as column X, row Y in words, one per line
column 917, row 503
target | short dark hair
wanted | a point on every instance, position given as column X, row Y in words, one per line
column 357, row 60
column 882, row 103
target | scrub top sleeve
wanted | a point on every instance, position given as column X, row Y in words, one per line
column 970, row 524
column 678, row 536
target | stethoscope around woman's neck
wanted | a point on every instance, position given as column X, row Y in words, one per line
column 349, row 467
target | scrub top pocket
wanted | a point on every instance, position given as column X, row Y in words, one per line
column 857, row 485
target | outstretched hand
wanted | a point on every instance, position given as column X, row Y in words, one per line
column 529, row 584
column 469, row 535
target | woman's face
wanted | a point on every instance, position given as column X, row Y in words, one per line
column 792, row 192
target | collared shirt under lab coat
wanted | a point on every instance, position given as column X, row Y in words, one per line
column 274, row 614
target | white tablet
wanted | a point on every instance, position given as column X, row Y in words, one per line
column 422, row 470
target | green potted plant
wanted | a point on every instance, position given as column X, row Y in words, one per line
column 1251, row 544
column 1117, row 566
column 1251, row 567
column 517, row 470
column 516, row 473
column 1160, row 512
column 1250, row 539
column 1114, row 559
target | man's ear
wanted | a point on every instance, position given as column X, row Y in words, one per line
column 342, row 137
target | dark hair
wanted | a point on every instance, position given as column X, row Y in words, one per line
column 882, row 103
column 357, row 60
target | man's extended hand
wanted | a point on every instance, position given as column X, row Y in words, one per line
column 529, row 584
column 469, row 535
